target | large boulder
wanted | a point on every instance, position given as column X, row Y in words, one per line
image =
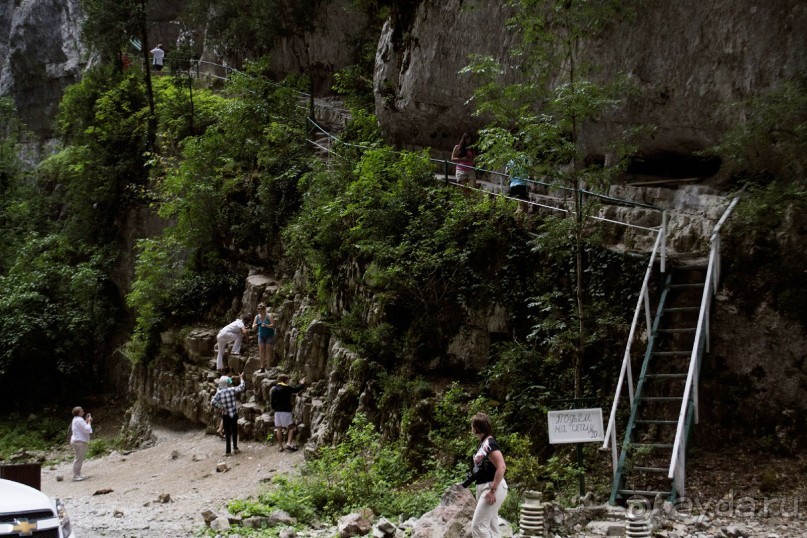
column 451, row 519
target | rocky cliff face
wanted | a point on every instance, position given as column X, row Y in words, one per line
column 687, row 58
column 41, row 54
column 420, row 95
column 322, row 52
column 181, row 380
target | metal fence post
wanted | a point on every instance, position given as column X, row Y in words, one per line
column 664, row 241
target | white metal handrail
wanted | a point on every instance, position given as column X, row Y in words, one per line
column 678, row 459
column 625, row 372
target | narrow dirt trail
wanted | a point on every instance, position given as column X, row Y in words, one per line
column 182, row 464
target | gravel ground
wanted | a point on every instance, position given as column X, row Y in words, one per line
column 734, row 493
column 121, row 496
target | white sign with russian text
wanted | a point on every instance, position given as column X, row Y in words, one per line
column 575, row 426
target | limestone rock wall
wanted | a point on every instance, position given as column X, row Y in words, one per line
column 420, row 95
column 41, row 54
column 687, row 58
column 330, row 47
column 182, row 379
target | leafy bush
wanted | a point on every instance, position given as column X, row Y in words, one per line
column 55, row 311
column 37, row 433
column 98, row 447
column 769, row 139
column 359, row 472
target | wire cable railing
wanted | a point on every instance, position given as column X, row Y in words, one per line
column 447, row 165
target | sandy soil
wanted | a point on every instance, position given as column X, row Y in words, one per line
column 120, row 497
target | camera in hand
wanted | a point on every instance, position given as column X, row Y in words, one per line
column 478, row 468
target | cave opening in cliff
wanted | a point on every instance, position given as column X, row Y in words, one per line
column 668, row 164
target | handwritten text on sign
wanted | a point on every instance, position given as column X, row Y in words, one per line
column 575, row 426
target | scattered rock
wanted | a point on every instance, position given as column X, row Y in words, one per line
column 209, row 516
column 117, row 513
column 103, row 491
column 384, row 528
column 735, row 531
column 354, row 524
column 220, row 524
column 587, row 499
column 164, row 498
column 222, row 467
column 280, row 517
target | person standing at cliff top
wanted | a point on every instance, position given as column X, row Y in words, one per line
column 234, row 332
column 158, row 55
column 464, row 156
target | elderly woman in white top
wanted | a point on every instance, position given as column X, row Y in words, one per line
column 80, row 430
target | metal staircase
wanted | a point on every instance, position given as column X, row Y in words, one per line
column 650, row 433
column 664, row 401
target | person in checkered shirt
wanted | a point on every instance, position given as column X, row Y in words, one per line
column 226, row 399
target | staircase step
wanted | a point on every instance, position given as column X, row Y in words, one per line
column 653, row 445
column 687, row 285
column 672, row 353
column 690, row 267
column 656, row 421
column 640, row 493
column 685, row 330
column 682, row 309
column 659, row 398
column 666, row 376
column 651, row 469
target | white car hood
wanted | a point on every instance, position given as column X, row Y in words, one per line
column 16, row 497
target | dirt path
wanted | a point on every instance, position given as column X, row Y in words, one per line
column 182, row 464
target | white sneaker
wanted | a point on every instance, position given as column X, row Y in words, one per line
column 79, row 478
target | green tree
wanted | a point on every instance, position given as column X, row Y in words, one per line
column 12, row 183
column 537, row 122
column 55, row 311
column 769, row 139
column 226, row 190
column 110, row 26
column 103, row 169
